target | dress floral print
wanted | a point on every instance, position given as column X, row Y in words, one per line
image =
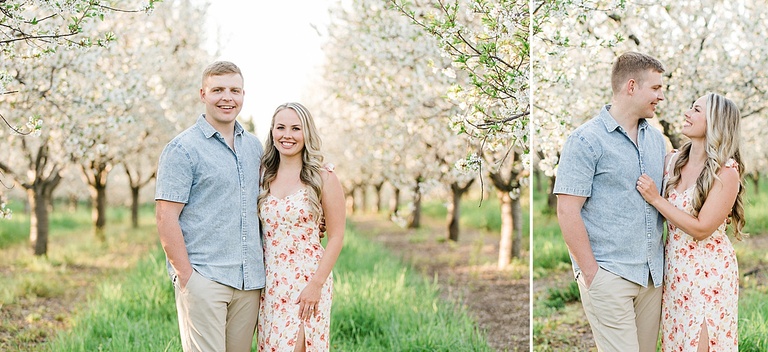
column 292, row 252
column 701, row 285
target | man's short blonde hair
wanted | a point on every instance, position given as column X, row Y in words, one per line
column 219, row 68
column 632, row 65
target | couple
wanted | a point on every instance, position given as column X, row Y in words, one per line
column 611, row 215
column 211, row 208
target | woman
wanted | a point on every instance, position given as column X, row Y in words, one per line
column 704, row 193
column 297, row 193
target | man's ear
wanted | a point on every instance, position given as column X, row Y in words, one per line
column 631, row 86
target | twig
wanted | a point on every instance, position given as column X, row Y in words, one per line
column 13, row 128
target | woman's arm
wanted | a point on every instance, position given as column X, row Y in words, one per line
column 715, row 210
column 334, row 209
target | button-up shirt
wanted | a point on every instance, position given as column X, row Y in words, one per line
column 219, row 187
column 599, row 161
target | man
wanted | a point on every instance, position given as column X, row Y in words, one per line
column 612, row 234
column 207, row 187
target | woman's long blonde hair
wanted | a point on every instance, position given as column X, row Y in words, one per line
column 312, row 159
column 722, row 143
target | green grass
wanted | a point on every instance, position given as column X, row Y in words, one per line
column 485, row 215
column 63, row 219
column 135, row 313
column 382, row 305
column 48, row 276
column 753, row 320
column 16, row 229
column 557, row 298
column 755, row 209
column 379, row 305
column 549, row 250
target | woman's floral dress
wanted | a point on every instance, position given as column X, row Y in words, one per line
column 701, row 285
column 292, row 253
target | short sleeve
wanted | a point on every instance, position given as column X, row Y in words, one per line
column 174, row 174
column 576, row 168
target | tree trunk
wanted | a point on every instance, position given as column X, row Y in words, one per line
column 135, row 207
column 378, row 204
column 454, row 214
column 43, row 176
column 669, row 131
column 95, row 175
column 98, row 211
column 352, row 205
column 136, row 183
column 517, row 225
column 454, row 209
column 73, row 203
column 396, row 201
column 38, row 220
column 415, row 221
column 506, row 244
column 756, row 182
column 537, row 180
column 364, row 199
column 507, row 182
column 551, row 197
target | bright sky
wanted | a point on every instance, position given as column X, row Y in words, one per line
column 274, row 44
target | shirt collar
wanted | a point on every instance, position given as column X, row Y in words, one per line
column 209, row 131
column 610, row 123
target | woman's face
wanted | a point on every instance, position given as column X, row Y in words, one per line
column 288, row 133
column 695, row 125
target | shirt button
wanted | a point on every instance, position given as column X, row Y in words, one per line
column 243, row 238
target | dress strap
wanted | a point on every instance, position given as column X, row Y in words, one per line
column 665, row 179
column 669, row 162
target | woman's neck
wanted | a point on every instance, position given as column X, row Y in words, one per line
column 290, row 165
column 698, row 152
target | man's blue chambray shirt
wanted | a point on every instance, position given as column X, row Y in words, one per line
column 600, row 162
column 219, row 188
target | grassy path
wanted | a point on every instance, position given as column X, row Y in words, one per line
column 115, row 295
column 380, row 305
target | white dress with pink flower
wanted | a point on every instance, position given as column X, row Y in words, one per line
column 292, row 252
column 701, row 285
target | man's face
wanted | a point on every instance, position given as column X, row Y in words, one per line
column 648, row 93
column 223, row 97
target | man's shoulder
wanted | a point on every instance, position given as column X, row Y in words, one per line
column 590, row 129
column 251, row 141
column 655, row 132
column 188, row 136
column 250, row 137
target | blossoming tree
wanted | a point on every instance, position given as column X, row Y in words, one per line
column 489, row 42
column 98, row 105
column 31, row 29
column 387, row 74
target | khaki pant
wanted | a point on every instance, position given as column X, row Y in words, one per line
column 215, row 317
column 623, row 315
